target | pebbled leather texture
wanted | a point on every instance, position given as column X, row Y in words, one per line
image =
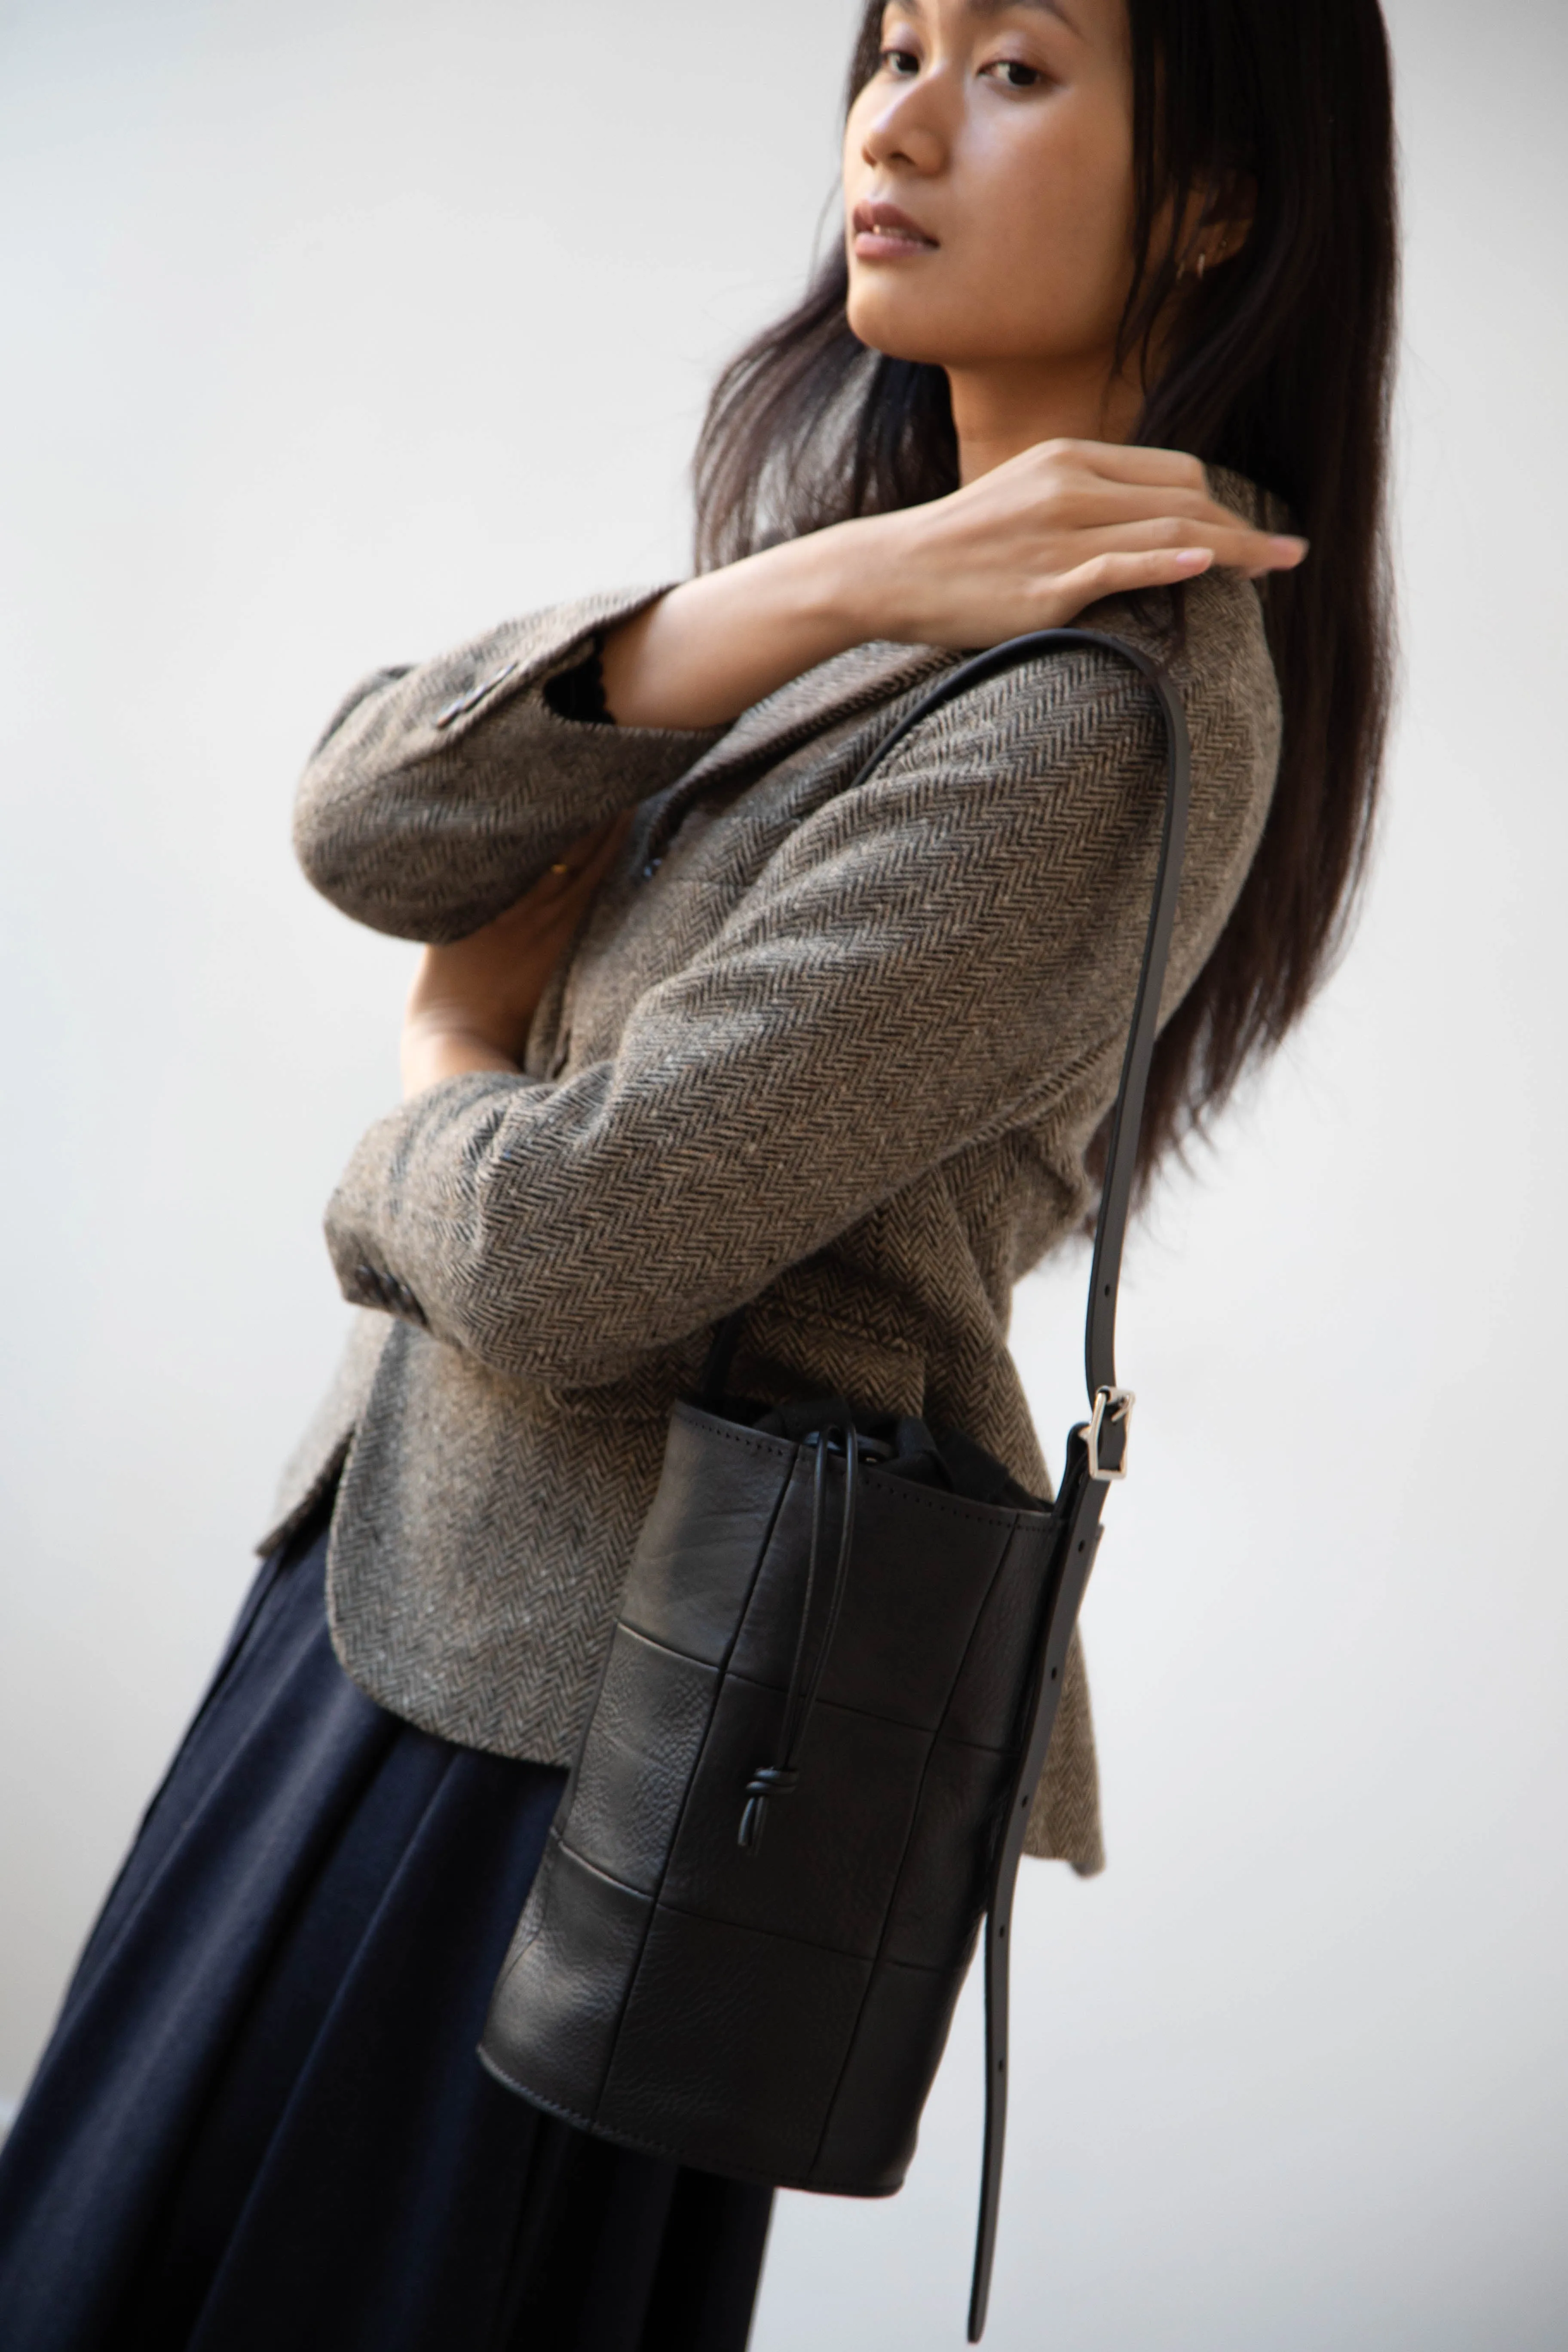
column 755, row 2011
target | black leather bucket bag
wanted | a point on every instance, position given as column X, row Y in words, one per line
column 806, row 1776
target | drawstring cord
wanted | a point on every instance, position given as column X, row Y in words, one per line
column 770, row 1780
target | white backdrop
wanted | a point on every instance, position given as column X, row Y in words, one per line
column 335, row 330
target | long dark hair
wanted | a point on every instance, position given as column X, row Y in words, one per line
column 1279, row 364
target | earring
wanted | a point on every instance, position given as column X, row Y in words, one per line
column 1203, row 265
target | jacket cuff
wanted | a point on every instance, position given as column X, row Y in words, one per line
column 445, row 791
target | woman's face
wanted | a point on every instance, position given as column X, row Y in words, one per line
column 988, row 185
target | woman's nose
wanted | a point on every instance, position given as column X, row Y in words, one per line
column 908, row 131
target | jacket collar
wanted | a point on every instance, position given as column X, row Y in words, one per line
column 807, row 706
column 837, row 689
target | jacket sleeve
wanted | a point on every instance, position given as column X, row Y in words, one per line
column 930, row 957
column 440, row 792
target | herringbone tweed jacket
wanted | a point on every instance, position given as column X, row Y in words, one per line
column 834, row 1052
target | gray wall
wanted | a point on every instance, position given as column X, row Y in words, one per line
column 334, row 331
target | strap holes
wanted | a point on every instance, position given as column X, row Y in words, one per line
column 1053, row 1673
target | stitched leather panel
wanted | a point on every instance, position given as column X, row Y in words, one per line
column 829, row 1853
column 647, row 1727
column 699, row 1544
column 941, row 1890
column 983, row 1707
column 553, row 2022
column 922, row 1565
column 741, row 2081
column 875, row 2120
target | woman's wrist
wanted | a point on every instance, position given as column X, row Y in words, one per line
column 855, row 576
column 709, row 649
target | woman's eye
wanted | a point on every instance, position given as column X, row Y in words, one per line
column 901, row 62
column 1013, row 73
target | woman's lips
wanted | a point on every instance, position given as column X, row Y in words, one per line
column 885, row 233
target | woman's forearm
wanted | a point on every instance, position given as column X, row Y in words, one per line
column 1025, row 546
column 712, row 648
column 472, row 1002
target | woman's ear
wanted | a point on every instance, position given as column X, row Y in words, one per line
column 1216, row 221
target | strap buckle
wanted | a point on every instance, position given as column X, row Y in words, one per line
column 1115, row 1406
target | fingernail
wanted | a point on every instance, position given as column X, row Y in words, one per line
column 1293, row 549
column 1189, row 558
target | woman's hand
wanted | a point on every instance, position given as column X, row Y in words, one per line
column 472, row 1003
column 1027, row 546
column 1033, row 541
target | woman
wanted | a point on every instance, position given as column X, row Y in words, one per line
column 701, row 1026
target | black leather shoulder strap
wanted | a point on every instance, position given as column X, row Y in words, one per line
column 1097, row 1450
column 1100, row 1336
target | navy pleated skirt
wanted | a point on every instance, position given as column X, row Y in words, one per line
column 260, row 2124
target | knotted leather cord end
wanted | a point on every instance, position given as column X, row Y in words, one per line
column 767, row 1780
